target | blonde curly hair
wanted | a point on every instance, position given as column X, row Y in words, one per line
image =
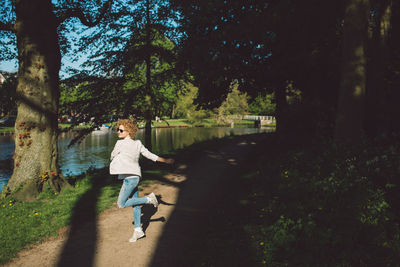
column 129, row 125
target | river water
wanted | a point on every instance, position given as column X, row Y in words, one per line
column 94, row 151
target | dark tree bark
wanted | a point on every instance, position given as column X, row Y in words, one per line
column 377, row 68
column 36, row 128
column 351, row 107
column 36, row 154
column 282, row 126
column 148, row 114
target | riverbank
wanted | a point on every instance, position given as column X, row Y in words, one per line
column 161, row 124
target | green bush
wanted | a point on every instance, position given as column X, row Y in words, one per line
column 328, row 206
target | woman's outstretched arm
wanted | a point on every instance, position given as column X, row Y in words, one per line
column 168, row 161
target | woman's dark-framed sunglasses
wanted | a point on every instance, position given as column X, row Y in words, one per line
column 120, row 130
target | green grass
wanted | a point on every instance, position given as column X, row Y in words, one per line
column 6, row 129
column 203, row 123
column 24, row 223
column 173, row 122
column 62, row 125
column 66, row 125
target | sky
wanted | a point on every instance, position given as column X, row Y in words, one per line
column 12, row 66
column 9, row 66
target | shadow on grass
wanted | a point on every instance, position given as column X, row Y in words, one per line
column 77, row 250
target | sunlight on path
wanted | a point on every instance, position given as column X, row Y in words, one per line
column 114, row 226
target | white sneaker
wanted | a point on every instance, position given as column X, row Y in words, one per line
column 137, row 234
column 153, row 199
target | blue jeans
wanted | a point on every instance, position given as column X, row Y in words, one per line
column 129, row 188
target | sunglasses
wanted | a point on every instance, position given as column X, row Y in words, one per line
column 120, row 130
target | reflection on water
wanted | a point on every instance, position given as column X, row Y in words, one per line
column 94, row 151
column 6, row 150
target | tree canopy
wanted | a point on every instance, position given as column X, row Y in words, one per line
column 266, row 45
column 339, row 58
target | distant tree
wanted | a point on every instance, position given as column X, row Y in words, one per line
column 152, row 80
column 185, row 101
column 38, row 26
column 125, row 94
column 185, row 105
column 234, row 104
column 128, row 44
column 69, row 95
column 263, row 105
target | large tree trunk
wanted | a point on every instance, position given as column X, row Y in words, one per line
column 148, row 112
column 377, row 68
column 392, row 99
column 282, row 126
column 351, row 107
column 35, row 158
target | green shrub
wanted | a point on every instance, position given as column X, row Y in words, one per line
column 328, row 206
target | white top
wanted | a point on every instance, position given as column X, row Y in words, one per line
column 125, row 157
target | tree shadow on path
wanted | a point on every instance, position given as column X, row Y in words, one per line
column 206, row 227
column 79, row 249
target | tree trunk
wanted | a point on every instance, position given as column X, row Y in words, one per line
column 281, row 110
column 148, row 113
column 392, row 99
column 36, row 155
column 377, row 66
column 351, row 106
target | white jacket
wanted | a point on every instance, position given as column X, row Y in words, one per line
column 125, row 157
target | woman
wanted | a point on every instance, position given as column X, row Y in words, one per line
column 125, row 163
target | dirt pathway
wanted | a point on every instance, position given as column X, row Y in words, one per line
column 180, row 220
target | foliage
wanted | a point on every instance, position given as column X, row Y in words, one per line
column 131, row 64
column 234, row 104
column 263, row 105
column 327, row 205
column 126, row 95
column 107, row 45
column 91, row 101
column 224, row 41
column 163, row 83
column 68, row 13
column 185, row 107
column 265, row 44
column 185, row 101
